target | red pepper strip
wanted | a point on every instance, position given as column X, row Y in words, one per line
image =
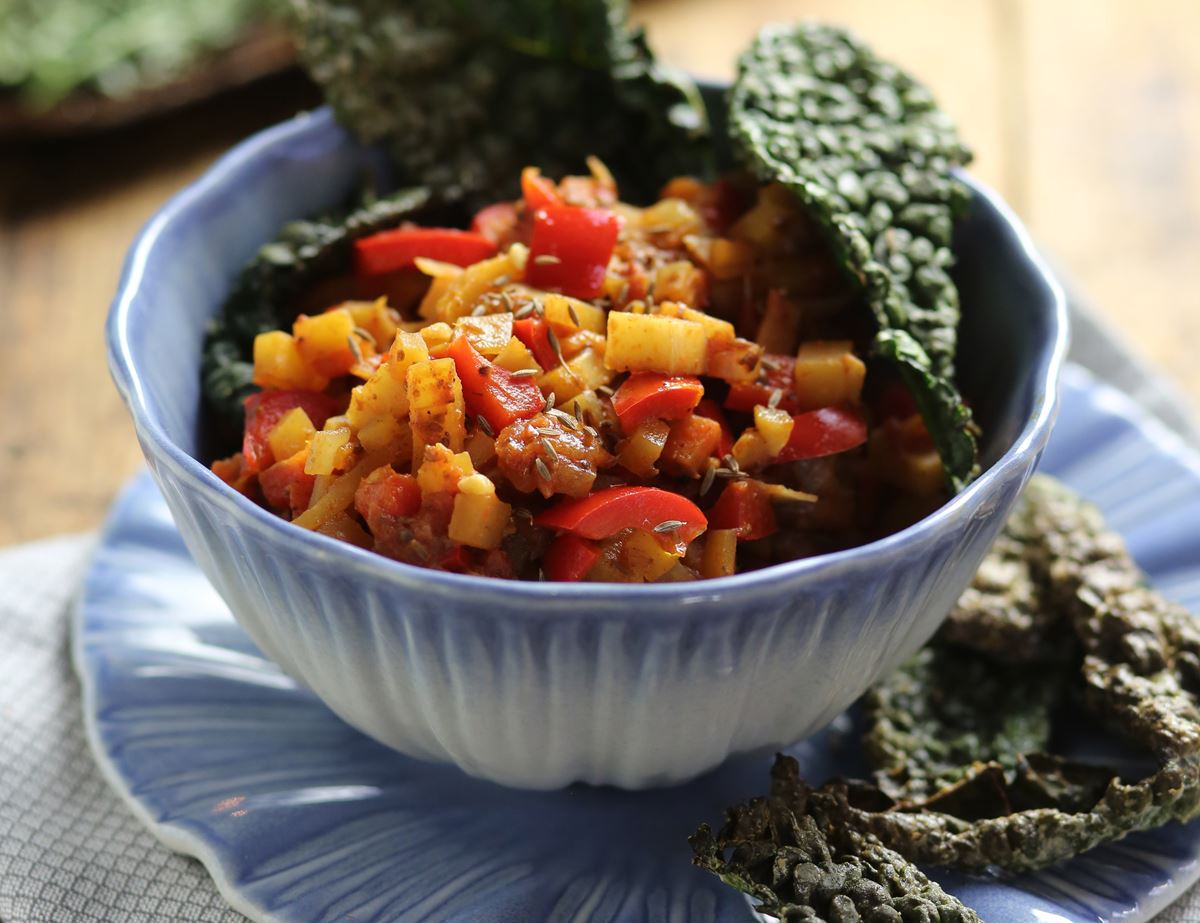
column 493, row 392
column 824, row 432
column 266, row 408
column 712, row 410
column 495, row 222
column 393, row 494
column 778, row 373
column 604, row 513
column 388, row 251
column 286, row 487
column 538, row 191
column 744, row 507
column 534, row 332
column 569, row 558
column 646, row 395
column 574, row 246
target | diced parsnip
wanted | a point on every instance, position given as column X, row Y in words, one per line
column 827, row 372
column 693, row 441
column 440, row 470
column 739, row 360
column 291, row 434
column 437, row 335
column 584, row 372
column 779, row 330
column 681, row 281
column 489, row 333
column 635, row 557
column 921, row 473
column 558, row 310
column 344, row 527
column 465, row 290
column 480, row 518
column 377, row 319
column 384, row 396
column 482, row 448
column 656, row 344
column 516, row 356
column 331, row 449
column 278, row 364
column 775, row 426
column 438, row 286
column 321, row 484
column 640, row 450
column 671, row 216
column 775, row 208
column 436, row 408
column 724, row 259
column 388, row 434
column 591, row 408
column 339, row 494
column 328, row 342
column 750, row 451
column 718, row 331
column 720, row 553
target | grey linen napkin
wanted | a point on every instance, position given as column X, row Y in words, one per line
column 69, row 848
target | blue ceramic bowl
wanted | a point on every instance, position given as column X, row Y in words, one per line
column 539, row 685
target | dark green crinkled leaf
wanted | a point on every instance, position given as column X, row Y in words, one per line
column 463, row 95
column 870, row 155
column 264, row 296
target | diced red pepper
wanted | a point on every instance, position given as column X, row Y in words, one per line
column 267, row 408
column 534, row 332
column 712, row 410
column 538, row 191
column 827, row 431
column 609, row 511
column 778, row 374
column 569, row 558
column 495, row 222
column 746, row 508
column 286, row 487
column 570, row 249
column 650, row 395
column 389, row 493
column 491, row 391
column 897, row 401
column 388, row 251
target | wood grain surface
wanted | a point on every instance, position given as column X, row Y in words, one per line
column 1085, row 114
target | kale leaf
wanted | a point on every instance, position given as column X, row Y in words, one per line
column 869, row 154
column 464, row 94
column 265, row 293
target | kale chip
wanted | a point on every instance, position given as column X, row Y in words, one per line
column 866, row 150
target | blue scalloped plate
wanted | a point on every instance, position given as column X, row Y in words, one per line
column 300, row 818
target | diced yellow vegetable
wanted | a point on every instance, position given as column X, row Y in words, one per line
column 922, row 473
column 331, row 449
column 436, row 408
column 591, row 407
column 639, row 451
column 479, row 518
column 673, row 216
column 516, row 356
column 779, row 330
column 291, row 434
column 278, row 364
column 681, row 281
column 439, row 470
column 324, row 341
column 477, row 485
column 717, row 330
column 559, row 308
column 720, row 553
column 339, row 494
column 724, row 259
column 438, row 286
column 739, row 360
column 321, row 484
column 345, row 527
column 775, row 426
column 438, row 269
column 827, row 372
column 465, row 290
column 750, row 451
column 635, row 557
column 482, row 448
column 377, row 319
column 775, row 208
column 390, row 434
column 384, row 396
column 655, row 343
column 488, row 333
column 584, row 372
column 436, row 335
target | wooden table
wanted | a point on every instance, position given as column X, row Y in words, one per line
column 1084, row 113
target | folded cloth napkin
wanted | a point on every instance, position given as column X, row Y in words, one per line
column 69, row 848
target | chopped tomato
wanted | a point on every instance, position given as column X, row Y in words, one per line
column 534, row 332
column 777, row 375
column 492, row 392
column 650, row 395
column 569, row 558
column 495, row 222
column 286, row 487
column 570, row 249
column 538, row 191
column 711, row 410
column 745, row 508
column 609, row 511
column 692, row 441
column 827, row 431
column 388, row 251
column 386, row 492
column 266, row 408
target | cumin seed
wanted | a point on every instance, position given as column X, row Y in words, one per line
column 546, row 259
column 574, row 316
column 355, row 348
column 668, row 525
column 549, row 449
column 483, row 424
column 479, row 310
column 776, row 397
column 706, row 482
column 524, row 373
column 542, row 470
column 524, row 311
